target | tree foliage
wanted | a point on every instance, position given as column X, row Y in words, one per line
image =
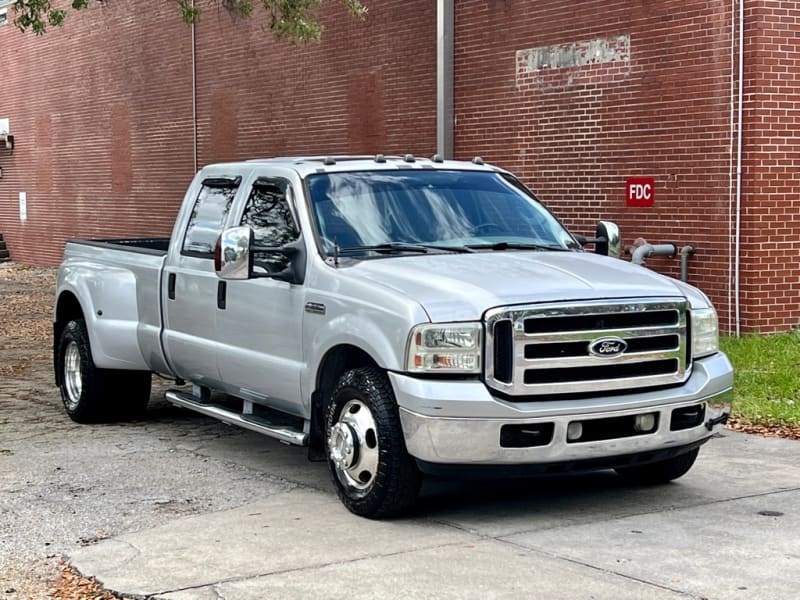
column 288, row 20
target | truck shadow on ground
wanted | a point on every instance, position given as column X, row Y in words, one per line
column 574, row 497
column 544, row 500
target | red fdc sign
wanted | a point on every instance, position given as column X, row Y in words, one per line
column 640, row 191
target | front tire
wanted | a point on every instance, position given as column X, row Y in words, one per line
column 662, row 471
column 90, row 394
column 373, row 473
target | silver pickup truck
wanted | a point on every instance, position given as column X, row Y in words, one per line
column 398, row 316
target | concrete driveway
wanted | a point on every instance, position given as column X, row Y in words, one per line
column 729, row 529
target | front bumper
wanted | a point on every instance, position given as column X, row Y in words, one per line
column 460, row 422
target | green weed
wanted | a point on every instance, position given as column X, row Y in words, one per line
column 766, row 378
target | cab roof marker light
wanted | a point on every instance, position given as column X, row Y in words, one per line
column 437, row 158
column 380, row 158
column 409, row 158
column 329, row 160
column 477, row 160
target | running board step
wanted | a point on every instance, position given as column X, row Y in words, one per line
column 255, row 423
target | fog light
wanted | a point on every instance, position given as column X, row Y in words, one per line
column 644, row 423
column 574, row 431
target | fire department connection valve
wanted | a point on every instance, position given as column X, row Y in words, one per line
column 642, row 250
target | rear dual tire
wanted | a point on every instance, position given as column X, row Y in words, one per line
column 90, row 394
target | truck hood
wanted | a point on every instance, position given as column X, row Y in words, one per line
column 461, row 287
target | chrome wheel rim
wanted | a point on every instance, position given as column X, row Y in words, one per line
column 353, row 446
column 73, row 382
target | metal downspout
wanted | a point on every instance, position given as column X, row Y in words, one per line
column 731, row 163
column 444, row 78
column 194, row 95
column 738, row 235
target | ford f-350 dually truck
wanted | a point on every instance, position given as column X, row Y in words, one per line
column 398, row 316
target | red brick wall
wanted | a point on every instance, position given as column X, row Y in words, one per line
column 367, row 88
column 101, row 114
column 102, row 109
column 661, row 108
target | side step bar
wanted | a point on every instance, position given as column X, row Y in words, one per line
column 251, row 422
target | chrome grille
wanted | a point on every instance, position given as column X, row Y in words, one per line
column 559, row 348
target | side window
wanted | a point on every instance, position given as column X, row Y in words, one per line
column 4, row 4
column 208, row 215
column 268, row 213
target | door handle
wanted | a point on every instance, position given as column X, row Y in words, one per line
column 222, row 288
column 171, row 286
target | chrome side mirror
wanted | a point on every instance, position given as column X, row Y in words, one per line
column 607, row 239
column 232, row 256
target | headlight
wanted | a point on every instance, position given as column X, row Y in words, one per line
column 452, row 348
column 705, row 332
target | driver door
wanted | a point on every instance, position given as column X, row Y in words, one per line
column 259, row 330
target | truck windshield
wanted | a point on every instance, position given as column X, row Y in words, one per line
column 367, row 212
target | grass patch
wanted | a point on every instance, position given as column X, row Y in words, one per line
column 766, row 378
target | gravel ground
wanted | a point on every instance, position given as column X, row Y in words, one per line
column 64, row 485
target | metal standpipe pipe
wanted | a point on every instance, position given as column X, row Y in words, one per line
column 445, row 11
column 647, row 250
column 685, row 253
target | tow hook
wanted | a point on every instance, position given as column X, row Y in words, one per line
column 723, row 418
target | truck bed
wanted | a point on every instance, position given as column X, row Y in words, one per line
column 157, row 246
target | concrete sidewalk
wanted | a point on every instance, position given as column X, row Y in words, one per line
column 730, row 529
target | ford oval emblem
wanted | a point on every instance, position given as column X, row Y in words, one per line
column 608, row 347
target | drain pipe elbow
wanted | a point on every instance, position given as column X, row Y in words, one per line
column 685, row 253
column 641, row 253
column 645, row 251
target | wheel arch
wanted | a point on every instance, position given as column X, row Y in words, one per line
column 68, row 308
column 335, row 362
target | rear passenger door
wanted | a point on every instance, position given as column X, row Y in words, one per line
column 192, row 286
column 259, row 331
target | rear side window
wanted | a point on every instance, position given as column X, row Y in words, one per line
column 208, row 215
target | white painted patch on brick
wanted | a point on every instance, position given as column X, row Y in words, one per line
column 577, row 54
column 533, row 61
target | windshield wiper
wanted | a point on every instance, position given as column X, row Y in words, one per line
column 461, row 249
column 388, row 247
column 516, row 246
column 403, row 247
